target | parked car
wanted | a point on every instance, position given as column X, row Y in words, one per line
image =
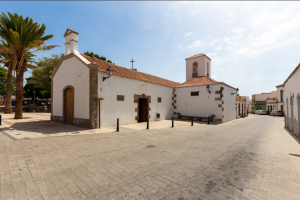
column 257, row 111
column 263, row 112
column 276, row 113
column 253, row 111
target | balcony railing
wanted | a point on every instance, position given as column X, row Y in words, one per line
column 194, row 75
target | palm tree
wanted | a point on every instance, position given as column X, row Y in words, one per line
column 6, row 60
column 24, row 39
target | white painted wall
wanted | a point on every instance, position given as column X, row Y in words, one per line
column 202, row 66
column 111, row 109
column 205, row 105
column 229, row 103
column 292, row 88
column 75, row 73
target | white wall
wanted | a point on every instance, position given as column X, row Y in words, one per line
column 291, row 88
column 202, row 66
column 205, row 105
column 229, row 103
column 75, row 73
column 111, row 109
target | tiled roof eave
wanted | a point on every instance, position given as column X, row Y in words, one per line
column 140, row 80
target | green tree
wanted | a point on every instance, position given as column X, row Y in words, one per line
column 40, row 80
column 24, row 37
column 97, row 56
column 3, row 81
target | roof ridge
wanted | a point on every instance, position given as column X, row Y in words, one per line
column 145, row 77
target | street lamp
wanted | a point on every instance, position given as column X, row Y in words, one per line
column 28, row 96
column 207, row 88
column 237, row 91
column 34, row 101
column 109, row 73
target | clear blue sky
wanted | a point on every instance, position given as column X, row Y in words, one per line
column 253, row 45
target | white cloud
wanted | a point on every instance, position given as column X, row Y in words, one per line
column 219, row 47
column 179, row 21
column 236, row 30
column 188, row 34
column 231, row 13
column 196, row 44
column 167, row 15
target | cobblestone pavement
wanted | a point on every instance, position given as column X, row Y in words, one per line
column 248, row 158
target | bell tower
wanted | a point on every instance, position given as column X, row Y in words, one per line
column 198, row 65
column 71, row 41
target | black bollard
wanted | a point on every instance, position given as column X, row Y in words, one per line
column 192, row 121
column 172, row 122
column 0, row 120
column 147, row 123
column 117, row 124
column 208, row 120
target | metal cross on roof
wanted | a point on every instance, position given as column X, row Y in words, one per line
column 132, row 62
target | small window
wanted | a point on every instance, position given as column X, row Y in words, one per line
column 194, row 93
column 159, row 99
column 120, row 97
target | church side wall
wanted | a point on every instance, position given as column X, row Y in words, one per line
column 291, row 97
column 201, row 106
column 126, row 111
column 72, row 73
column 229, row 111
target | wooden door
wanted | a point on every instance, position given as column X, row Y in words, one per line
column 69, row 106
column 281, row 108
column 242, row 109
column 143, row 110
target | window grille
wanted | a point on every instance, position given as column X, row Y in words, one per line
column 194, row 93
column 120, row 98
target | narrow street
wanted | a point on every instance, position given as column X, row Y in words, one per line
column 247, row 158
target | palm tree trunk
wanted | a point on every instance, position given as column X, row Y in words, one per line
column 19, row 95
column 8, row 108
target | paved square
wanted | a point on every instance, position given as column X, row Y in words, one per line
column 249, row 158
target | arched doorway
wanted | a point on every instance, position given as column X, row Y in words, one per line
column 287, row 113
column 69, row 105
column 207, row 69
column 292, row 116
column 239, row 109
column 195, row 69
column 298, row 99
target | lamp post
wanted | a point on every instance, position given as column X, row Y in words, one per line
column 28, row 96
column 109, row 73
column 237, row 91
column 34, row 101
column 208, row 89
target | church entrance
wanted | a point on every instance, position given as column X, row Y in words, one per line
column 69, row 105
column 143, row 109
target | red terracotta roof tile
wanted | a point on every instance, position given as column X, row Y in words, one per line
column 197, row 55
column 132, row 74
column 200, row 81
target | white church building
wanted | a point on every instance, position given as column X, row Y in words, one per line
column 93, row 93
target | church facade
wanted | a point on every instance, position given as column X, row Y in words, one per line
column 92, row 93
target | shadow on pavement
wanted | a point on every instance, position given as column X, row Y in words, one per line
column 44, row 127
